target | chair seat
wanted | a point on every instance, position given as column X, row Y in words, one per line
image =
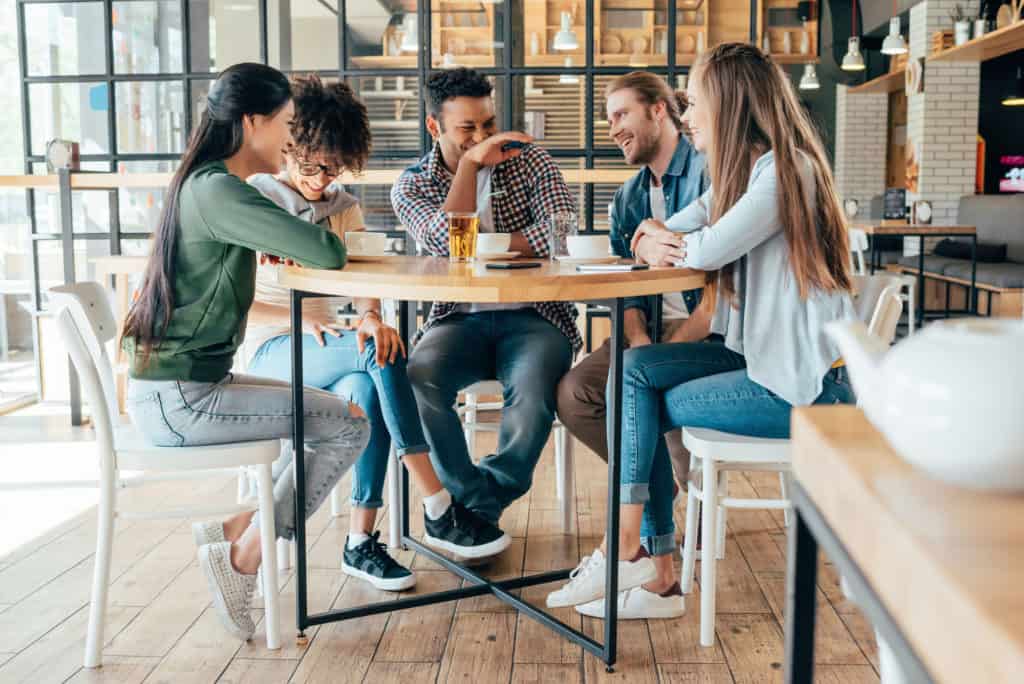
column 725, row 446
column 135, row 453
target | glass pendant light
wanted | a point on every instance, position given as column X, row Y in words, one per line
column 1015, row 98
column 809, row 81
column 410, row 37
column 565, row 39
column 853, row 61
column 894, row 43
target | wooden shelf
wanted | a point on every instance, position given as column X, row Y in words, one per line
column 887, row 83
column 989, row 46
column 794, row 58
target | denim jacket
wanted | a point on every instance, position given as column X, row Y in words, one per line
column 683, row 182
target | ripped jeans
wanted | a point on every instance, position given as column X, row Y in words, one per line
column 241, row 408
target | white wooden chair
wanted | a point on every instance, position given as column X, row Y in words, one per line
column 858, row 246
column 713, row 454
column 86, row 322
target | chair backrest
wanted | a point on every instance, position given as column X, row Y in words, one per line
column 868, row 290
column 858, row 245
column 88, row 305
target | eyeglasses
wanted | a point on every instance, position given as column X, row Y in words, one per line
column 308, row 168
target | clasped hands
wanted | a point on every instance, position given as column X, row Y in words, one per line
column 656, row 245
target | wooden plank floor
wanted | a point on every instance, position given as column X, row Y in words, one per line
column 161, row 627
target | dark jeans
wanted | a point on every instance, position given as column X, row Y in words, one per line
column 528, row 355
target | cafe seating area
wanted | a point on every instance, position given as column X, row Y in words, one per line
column 869, row 535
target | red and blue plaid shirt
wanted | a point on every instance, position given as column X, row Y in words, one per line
column 533, row 189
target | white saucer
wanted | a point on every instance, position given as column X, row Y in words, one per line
column 490, row 256
column 587, row 260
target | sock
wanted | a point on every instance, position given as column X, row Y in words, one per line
column 355, row 539
column 437, row 505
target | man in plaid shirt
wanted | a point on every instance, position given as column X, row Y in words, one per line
column 527, row 346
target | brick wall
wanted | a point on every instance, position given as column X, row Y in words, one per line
column 860, row 146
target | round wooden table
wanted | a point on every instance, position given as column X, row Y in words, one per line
column 412, row 279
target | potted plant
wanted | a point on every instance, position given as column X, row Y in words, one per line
column 961, row 25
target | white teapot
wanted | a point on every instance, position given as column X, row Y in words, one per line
column 949, row 399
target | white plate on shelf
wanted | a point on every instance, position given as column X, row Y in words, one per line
column 587, row 260
column 491, row 256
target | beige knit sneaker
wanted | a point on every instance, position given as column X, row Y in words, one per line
column 231, row 590
column 208, row 533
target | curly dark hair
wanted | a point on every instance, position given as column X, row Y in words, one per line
column 461, row 82
column 330, row 120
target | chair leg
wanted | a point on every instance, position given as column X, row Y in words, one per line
column 690, row 538
column 911, row 310
column 268, row 547
column 243, row 486
column 709, row 555
column 723, row 491
column 784, row 489
column 565, row 477
column 101, row 571
column 284, row 554
column 469, row 422
column 394, row 499
column 335, row 501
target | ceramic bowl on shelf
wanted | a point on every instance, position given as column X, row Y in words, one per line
column 611, row 44
column 638, row 45
column 688, row 44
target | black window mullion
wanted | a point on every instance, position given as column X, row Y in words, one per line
column 108, row 19
column 264, row 32
column 423, row 63
column 671, row 43
column 588, row 116
column 342, row 38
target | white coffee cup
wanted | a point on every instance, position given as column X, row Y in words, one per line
column 588, row 246
column 366, row 243
column 493, row 243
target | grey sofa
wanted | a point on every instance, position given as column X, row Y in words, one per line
column 999, row 219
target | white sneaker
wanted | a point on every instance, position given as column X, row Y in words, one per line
column 231, row 590
column 587, row 581
column 640, row 604
column 204, row 533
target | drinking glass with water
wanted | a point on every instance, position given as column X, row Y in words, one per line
column 561, row 225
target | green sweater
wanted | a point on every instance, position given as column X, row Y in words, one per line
column 222, row 222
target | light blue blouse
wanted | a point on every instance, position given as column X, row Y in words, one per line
column 780, row 334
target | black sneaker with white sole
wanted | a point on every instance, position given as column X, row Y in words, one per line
column 462, row 532
column 370, row 561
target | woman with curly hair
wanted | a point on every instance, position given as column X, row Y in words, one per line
column 331, row 134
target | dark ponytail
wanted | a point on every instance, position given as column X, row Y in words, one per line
column 240, row 90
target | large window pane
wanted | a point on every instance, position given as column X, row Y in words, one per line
column 382, row 35
column 150, row 117
column 303, row 34
column 223, row 32
column 394, row 106
column 61, row 39
column 140, row 207
column 605, row 192
column 73, row 111
column 375, row 200
column 466, row 33
column 627, row 33
column 551, row 109
column 147, row 37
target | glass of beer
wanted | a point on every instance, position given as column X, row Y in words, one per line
column 462, row 230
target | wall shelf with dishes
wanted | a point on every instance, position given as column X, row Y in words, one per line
column 463, row 33
column 999, row 42
column 788, row 30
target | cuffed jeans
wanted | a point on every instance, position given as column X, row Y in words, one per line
column 242, row 408
column 697, row 385
column 528, row 355
column 384, row 395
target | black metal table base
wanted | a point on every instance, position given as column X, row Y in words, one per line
column 479, row 585
column 807, row 530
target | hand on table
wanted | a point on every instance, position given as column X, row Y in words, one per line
column 656, row 245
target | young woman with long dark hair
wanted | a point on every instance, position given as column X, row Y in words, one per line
column 771, row 236
column 182, row 332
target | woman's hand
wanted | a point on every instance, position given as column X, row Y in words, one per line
column 318, row 329
column 385, row 338
column 656, row 245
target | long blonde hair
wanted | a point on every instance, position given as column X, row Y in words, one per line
column 753, row 109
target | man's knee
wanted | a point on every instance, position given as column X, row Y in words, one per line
column 579, row 397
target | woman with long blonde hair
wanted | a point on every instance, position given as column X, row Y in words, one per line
column 769, row 233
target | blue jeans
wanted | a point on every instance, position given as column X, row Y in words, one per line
column 383, row 394
column 528, row 355
column 240, row 408
column 696, row 385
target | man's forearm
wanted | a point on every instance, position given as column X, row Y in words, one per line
column 462, row 194
column 634, row 323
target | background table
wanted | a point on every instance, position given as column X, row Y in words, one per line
column 923, row 231
column 406, row 279
column 936, row 568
